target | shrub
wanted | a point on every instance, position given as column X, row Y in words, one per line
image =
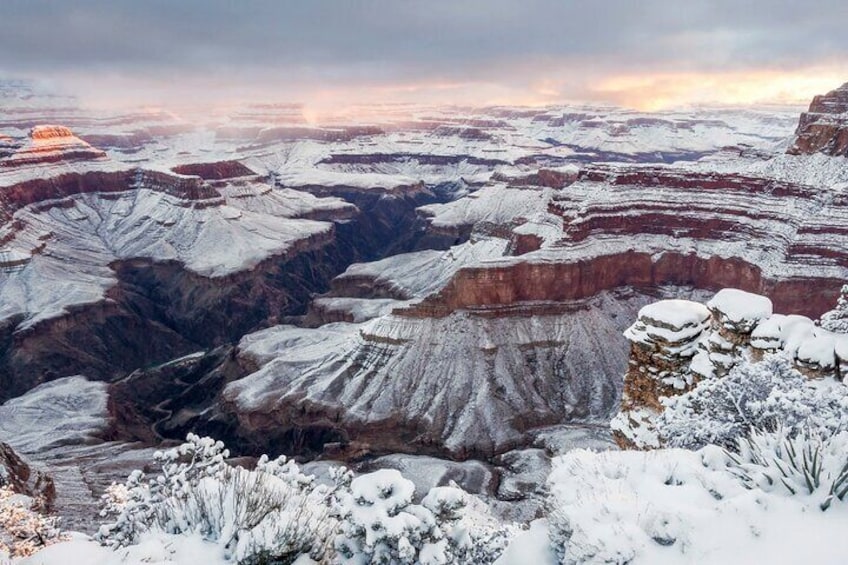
column 836, row 320
column 804, row 463
column 276, row 514
column 24, row 530
column 753, row 396
column 270, row 514
column 380, row 524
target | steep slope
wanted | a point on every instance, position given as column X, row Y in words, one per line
column 824, row 127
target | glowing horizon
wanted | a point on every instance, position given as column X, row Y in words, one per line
column 648, row 92
column 334, row 55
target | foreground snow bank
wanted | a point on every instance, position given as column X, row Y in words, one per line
column 678, row 506
column 152, row 549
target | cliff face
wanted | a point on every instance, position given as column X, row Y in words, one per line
column 824, row 127
column 645, row 228
column 17, row 474
column 561, row 251
column 541, row 282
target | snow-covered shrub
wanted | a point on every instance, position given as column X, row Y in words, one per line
column 753, row 396
column 488, row 545
column 489, row 537
column 24, row 530
column 380, row 524
column 804, row 463
column 836, row 320
column 276, row 514
column 273, row 513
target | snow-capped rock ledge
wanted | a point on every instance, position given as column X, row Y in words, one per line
column 51, row 144
column 676, row 343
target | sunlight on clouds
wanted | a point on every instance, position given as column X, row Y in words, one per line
column 660, row 91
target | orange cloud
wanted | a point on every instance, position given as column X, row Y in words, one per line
column 665, row 90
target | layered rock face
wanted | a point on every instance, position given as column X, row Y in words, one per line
column 663, row 341
column 23, row 479
column 650, row 227
column 824, row 127
column 51, row 144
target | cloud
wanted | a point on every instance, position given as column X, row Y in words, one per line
column 297, row 46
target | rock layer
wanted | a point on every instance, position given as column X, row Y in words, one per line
column 23, row 479
column 824, row 127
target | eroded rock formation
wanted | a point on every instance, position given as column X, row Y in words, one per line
column 824, row 127
column 23, row 479
column 677, row 343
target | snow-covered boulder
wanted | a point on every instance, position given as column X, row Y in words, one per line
column 739, row 311
column 735, row 315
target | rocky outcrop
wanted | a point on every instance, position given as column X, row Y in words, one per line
column 663, row 341
column 51, row 144
column 735, row 315
column 677, row 343
column 23, row 479
column 219, row 170
column 824, row 127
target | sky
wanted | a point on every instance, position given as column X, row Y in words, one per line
column 646, row 54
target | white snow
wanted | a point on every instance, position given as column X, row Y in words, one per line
column 818, row 350
column 738, row 306
column 677, row 324
column 530, row 547
column 159, row 548
column 676, row 506
column 63, row 412
column 675, row 314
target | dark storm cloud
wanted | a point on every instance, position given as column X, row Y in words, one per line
column 396, row 40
